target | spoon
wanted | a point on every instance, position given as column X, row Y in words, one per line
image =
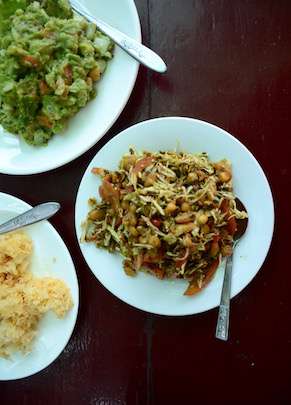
column 35, row 214
column 135, row 49
column 222, row 325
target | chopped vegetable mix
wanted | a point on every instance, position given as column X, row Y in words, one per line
column 49, row 63
column 170, row 214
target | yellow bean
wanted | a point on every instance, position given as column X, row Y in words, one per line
column 205, row 229
column 202, row 219
column 97, row 215
column 170, row 208
column 140, row 229
column 150, row 180
column 187, row 240
column 184, row 228
column 132, row 208
column 192, row 177
column 125, row 205
column 185, row 207
column 154, row 241
column 133, row 231
column 224, row 176
column 142, row 239
column 132, row 219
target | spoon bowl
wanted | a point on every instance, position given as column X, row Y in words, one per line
column 242, row 224
column 35, row 214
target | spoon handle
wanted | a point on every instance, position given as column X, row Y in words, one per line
column 135, row 49
column 224, row 307
column 35, row 214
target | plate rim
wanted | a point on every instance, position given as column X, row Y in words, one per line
column 52, row 229
column 47, row 168
column 246, row 150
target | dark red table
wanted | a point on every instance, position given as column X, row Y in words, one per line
column 230, row 64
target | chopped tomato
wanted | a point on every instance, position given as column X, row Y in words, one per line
column 141, row 164
column 138, row 261
column 43, row 88
column 68, row 73
column 159, row 273
column 129, row 189
column 214, row 246
column 153, row 258
column 216, row 238
column 30, row 60
column 98, row 171
column 44, row 121
column 109, row 193
column 224, row 206
column 118, row 222
column 179, row 263
column 194, row 287
column 214, row 249
column 231, row 226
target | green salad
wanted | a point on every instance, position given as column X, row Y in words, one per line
column 49, row 62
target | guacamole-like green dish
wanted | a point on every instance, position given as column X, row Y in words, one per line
column 49, row 62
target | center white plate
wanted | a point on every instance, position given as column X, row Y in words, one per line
column 50, row 258
column 251, row 186
column 93, row 121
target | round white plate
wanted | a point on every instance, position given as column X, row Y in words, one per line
column 50, row 258
column 93, row 121
column 251, row 186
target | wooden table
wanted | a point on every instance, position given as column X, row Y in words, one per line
column 230, row 64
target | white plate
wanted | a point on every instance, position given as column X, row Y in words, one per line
column 251, row 186
column 50, row 258
column 93, row 121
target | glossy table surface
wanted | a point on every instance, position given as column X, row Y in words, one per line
column 229, row 64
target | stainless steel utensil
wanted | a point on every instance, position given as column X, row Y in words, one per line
column 35, row 214
column 222, row 325
column 138, row 51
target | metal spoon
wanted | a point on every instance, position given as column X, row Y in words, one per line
column 222, row 325
column 36, row 214
column 135, row 49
